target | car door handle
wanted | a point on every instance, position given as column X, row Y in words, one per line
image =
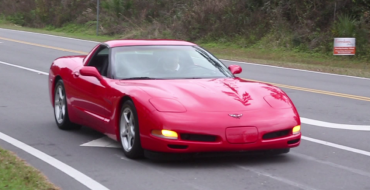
column 76, row 74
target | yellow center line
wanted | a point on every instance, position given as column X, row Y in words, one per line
column 275, row 84
column 44, row 46
column 363, row 98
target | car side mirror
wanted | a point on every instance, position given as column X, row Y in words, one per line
column 92, row 72
column 235, row 69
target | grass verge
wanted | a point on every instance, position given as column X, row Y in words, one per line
column 16, row 174
column 344, row 65
column 321, row 63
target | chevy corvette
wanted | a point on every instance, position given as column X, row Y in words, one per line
column 170, row 97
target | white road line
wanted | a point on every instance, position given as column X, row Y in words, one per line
column 335, row 125
column 286, row 68
column 277, row 178
column 80, row 177
column 25, row 68
column 326, row 143
column 220, row 59
column 105, row 142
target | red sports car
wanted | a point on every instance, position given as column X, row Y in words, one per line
column 169, row 96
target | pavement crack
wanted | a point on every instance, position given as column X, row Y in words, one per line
column 283, row 180
column 353, row 170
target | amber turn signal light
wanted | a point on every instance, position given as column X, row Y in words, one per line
column 167, row 134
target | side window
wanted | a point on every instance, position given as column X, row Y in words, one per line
column 100, row 60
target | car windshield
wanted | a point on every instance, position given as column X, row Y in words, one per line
column 166, row 62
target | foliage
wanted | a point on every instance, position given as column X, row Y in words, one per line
column 303, row 26
column 345, row 27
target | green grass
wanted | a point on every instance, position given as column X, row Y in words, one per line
column 307, row 61
column 16, row 174
column 345, row 65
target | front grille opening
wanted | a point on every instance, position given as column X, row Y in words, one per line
column 174, row 146
column 196, row 137
column 293, row 141
column 276, row 134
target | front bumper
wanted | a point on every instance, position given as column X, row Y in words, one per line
column 179, row 146
column 273, row 131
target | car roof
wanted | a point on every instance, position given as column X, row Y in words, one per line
column 118, row 43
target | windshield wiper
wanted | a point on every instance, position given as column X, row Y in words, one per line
column 137, row 78
column 193, row 78
column 213, row 62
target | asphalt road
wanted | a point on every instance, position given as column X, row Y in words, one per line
column 26, row 115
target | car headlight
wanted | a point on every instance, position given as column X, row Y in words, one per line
column 296, row 129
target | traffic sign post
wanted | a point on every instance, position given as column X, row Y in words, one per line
column 344, row 46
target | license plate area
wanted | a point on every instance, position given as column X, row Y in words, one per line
column 241, row 135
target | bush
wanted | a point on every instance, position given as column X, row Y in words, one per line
column 306, row 25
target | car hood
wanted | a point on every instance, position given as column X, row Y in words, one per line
column 230, row 94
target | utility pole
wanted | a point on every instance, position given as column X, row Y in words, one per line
column 335, row 10
column 97, row 17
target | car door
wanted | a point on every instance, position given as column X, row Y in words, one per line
column 89, row 94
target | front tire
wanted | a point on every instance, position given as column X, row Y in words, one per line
column 129, row 131
column 60, row 108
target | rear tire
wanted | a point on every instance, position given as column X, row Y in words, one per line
column 129, row 131
column 61, row 109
